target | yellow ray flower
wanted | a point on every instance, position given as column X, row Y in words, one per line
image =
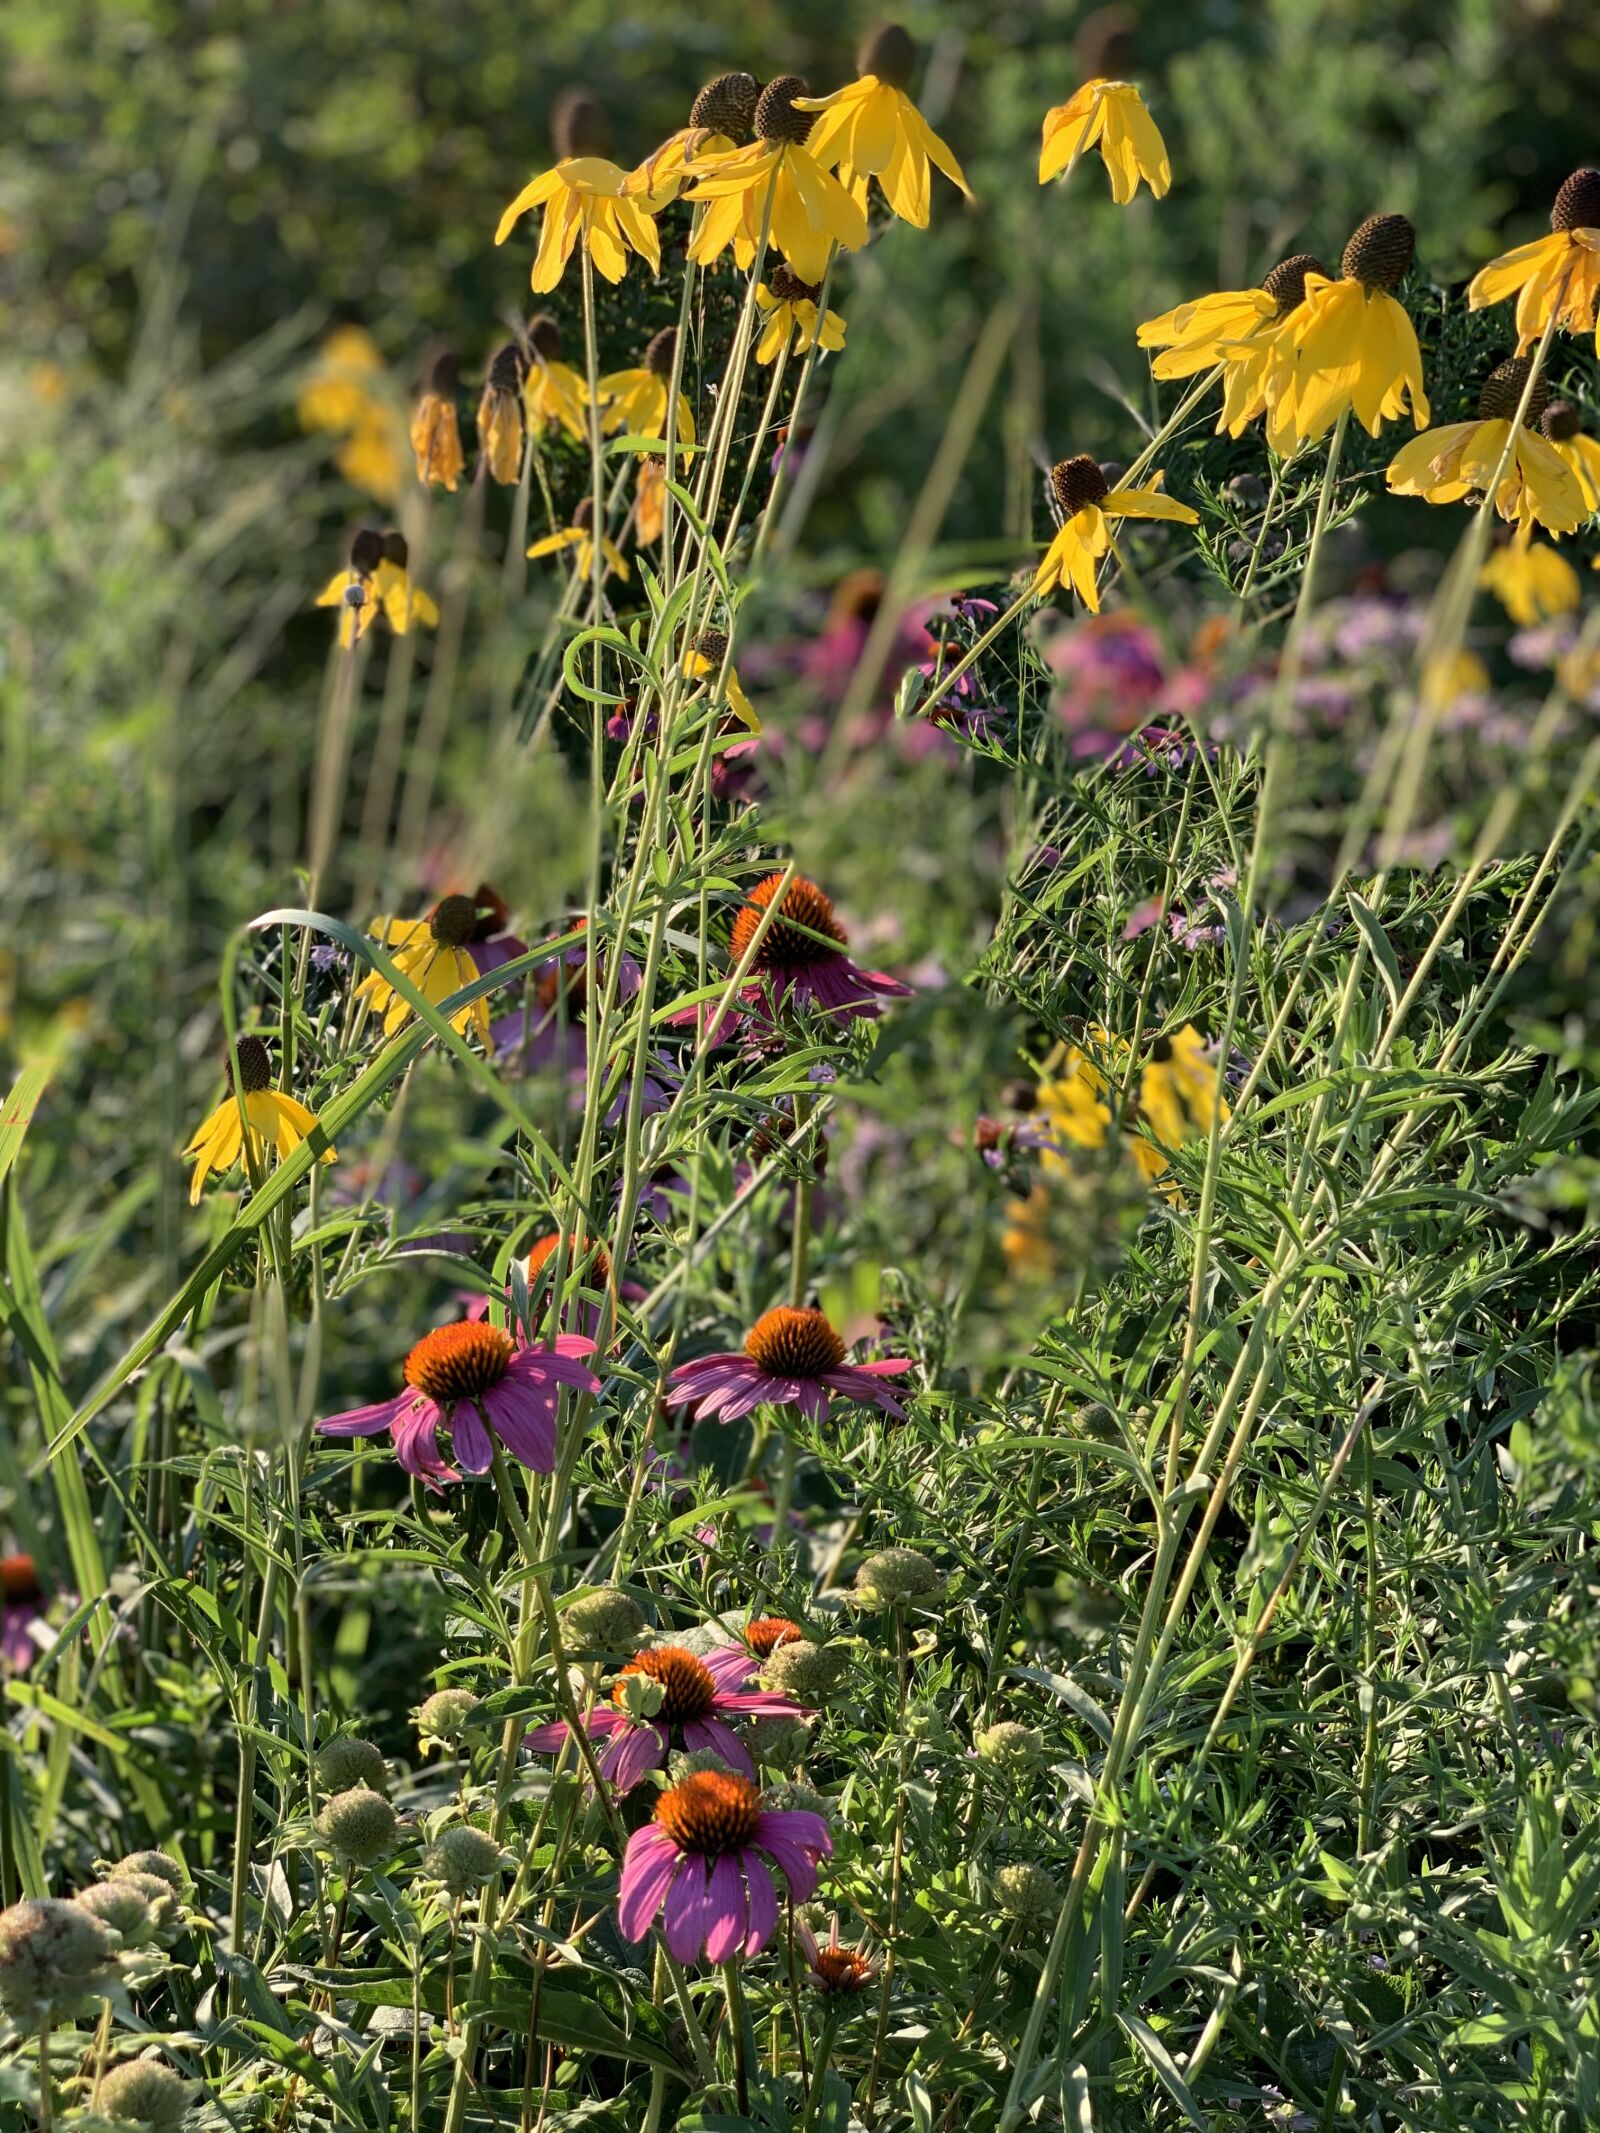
column 1560, row 423
column 1556, row 276
column 349, row 395
column 649, row 499
column 502, row 425
column 402, row 602
column 352, row 590
column 1531, row 582
column 1236, row 328
column 635, row 401
column 703, row 662
column 1349, row 345
column 273, row 1121
column 1179, row 1093
column 788, row 307
column 719, row 120
column 1087, row 503
column 1131, row 147
column 554, row 395
column 585, row 196
column 810, row 209
column 1447, row 465
column 872, row 129
column 435, row 429
column 579, row 536
column 433, row 953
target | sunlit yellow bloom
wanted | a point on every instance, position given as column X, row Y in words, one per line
column 502, row 425
column 433, row 953
column 554, row 395
column 435, row 429
column 1178, row 1094
column 1112, row 113
column 1531, row 582
column 635, row 401
column 348, row 394
column 1349, row 345
column 649, row 499
column 872, row 129
column 579, row 536
column 585, row 196
column 1556, row 276
column 703, row 662
column 402, row 602
column 1447, row 465
column 1582, row 454
column 1180, row 1090
column 1087, row 504
column 273, row 1121
column 721, row 117
column 788, row 308
column 1448, row 677
column 1236, row 328
column 810, row 211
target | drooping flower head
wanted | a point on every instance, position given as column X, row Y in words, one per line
column 872, row 130
column 1087, row 502
column 1111, row 113
column 1236, row 328
column 579, row 535
column 272, row 1120
column 792, row 317
column 554, row 395
column 22, row 1604
column 810, row 211
column 1538, row 487
column 790, row 1358
column 502, row 427
column 702, row 1866
column 720, row 120
column 1556, row 276
column 837, row 1972
column 402, row 602
column 481, row 1385
column 461, row 938
column 353, row 590
column 637, row 400
column 1348, row 345
column 668, row 1697
column 435, row 427
column 586, row 196
column 1563, row 426
column 351, row 395
column 1531, row 582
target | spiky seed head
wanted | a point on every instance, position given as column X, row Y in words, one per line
column 776, row 117
column 343, row 1763
column 508, row 366
column 803, row 1670
column 890, row 54
column 578, row 124
column 1027, row 1893
column 1286, row 283
column 366, row 550
column 359, row 1824
column 727, row 106
column 1561, row 421
column 1503, row 389
column 897, row 1574
column 443, row 1716
column 1078, row 482
column 794, row 1798
column 786, row 285
column 54, row 1956
column 583, row 515
column 463, row 1858
column 122, row 1905
column 544, row 336
column 1008, row 1745
column 255, row 1066
column 603, row 1619
column 1578, row 202
column 658, row 356
column 144, row 2092
column 1379, row 253
column 444, row 375
column 396, row 548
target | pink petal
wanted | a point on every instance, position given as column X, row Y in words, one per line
column 469, row 1440
column 636, row 1751
column 524, row 1423
column 367, row 1421
column 721, row 1740
column 727, row 1910
column 763, row 1901
column 730, row 1665
column 648, row 1866
column 685, row 1917
column 544, row 1740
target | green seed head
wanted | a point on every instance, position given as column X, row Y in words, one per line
column 1009, row 1746
column 803, row 1670
column 444, row 1715
column 1027, row 1894
column 463, row 1858
column 145, row 2092
column 603, row 1619
column 343, row 1763
column 159, row 1864
column 779, row 1743
column 896, row 1574
column 54, row 1956
column 359, row 1825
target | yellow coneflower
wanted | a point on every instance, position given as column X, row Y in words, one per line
column 272, row 1120
column 580, row 535
column 703, row 662
column 719, row 121
column 792, row 319
column 554, row 395
column 649, row 499
column 636, row 400
column 1531, row 582
column 810, row 209
column 585, row 196
column 403, row 603
column 871, row 129
column 502, row 428
column 1348, row 345
column 1561, row 423
column 1556, row 276
column 1087, row 502
column 1446, row 465
column 1180, row 1094
column 352, row 590
column 435, row 428
column 1111, row 113
column 348, row 395
column 1236, row 328
column 433, row 953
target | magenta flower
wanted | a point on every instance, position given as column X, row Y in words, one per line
column 21, row 1606
column 802, row 962
column 480, row 1384
column 790, row 1358
column 698, row 1698
column 701, row 1865
column 543, row 1030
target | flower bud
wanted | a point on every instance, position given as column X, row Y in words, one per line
column 803, row 1670
column 689, row 1762
column 603, row 1619
column 1008, row 1746
column 53, row 1957
column 897, row 1574
column 445, row 1714
column 463, row 1858
column 1027, row 1894
column 342, row 1764
column 122, row 1906
column 779, row 1743
column 145, row 2091
column 792, row 1798
column 358, row 1824
column 158, row 1863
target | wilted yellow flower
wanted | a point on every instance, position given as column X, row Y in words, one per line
column 1349, row 345
column 435, row 429
column 1112, row 113
column 635, row 401
column 719, row 121
column 1087, row 502
column 1556, row 276
column 791, row 318
column 579, row 535
column 433, row 953
column 585, row 196
column 810, row 211
column 1458, row 461
column 554, row 395
column 272, row 1120
column 502, row 426
column 1236, row 328
column 872, row 129
column 1560, row 423
column 1531, row 582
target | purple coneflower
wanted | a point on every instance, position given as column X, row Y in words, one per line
column 698, row 1698
column 802, row 962
column 790, row 1358
column 702, row 1865
column 478, row 1383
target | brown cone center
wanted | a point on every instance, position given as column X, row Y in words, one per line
column 786, row 1343
column 711, row 1813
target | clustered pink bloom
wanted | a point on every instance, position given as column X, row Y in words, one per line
column 480, row 1384
column 701, row 1865
column 790, row 1358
